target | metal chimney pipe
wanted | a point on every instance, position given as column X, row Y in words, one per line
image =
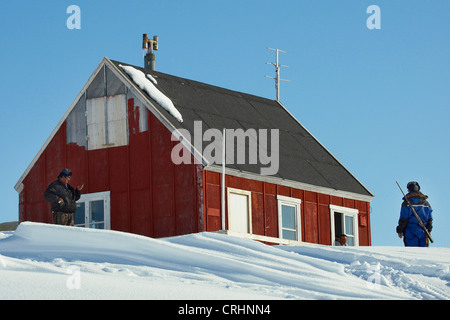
column 149, row 61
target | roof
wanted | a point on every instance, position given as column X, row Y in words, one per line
column 303, row 161
column 302, row 158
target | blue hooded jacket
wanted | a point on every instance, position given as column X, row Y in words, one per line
column 408, row 224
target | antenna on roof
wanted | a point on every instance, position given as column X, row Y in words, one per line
column 277, row 72
column 149, row 45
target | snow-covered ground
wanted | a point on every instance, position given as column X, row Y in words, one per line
column 42, row 261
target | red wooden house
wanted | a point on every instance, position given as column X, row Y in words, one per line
column 118, row 138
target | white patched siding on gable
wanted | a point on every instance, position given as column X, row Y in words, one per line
column 107, row 122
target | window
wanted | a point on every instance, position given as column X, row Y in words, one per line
column 239, row 210
column 289, row 226
column 93, row 211
column 107, row 122
column 344, row 221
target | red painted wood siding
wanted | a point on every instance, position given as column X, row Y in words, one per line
column 153, row 197
column 149, row 194
column 315, row 211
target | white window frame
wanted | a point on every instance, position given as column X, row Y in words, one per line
column 249, row 206
column 90, row 197
column 292, row 202
column 345, row 212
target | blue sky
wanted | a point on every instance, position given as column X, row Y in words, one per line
column 379, row 99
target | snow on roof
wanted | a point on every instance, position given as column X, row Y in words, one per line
column 145, row 84
column 153, row 79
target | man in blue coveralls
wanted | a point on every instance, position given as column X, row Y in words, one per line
column 408, row 226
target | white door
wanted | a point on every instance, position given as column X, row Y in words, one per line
column 239, row 211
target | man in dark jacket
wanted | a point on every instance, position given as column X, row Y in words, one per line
column 62, row 198
column 408, row 226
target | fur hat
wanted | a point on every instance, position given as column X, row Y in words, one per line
column 413, row 186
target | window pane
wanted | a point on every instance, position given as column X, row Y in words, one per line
column 350, row 241
column 289, row 235
column 349, row 225
column 79, row 214
column 338, row 230
column 97, row 211
column 288, row 217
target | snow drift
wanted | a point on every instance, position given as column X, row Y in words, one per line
column 42, row 261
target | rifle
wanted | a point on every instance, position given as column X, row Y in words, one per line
column 416, row 215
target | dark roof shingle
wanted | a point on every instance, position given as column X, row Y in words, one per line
column 301, row 157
